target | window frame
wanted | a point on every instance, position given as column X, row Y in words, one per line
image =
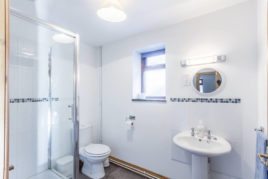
column 145, row 68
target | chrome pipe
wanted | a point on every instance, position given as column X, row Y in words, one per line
column 76, row 107
column 50, row 109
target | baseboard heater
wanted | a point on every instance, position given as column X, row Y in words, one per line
column 136, row 169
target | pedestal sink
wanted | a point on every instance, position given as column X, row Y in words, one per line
column 201, row 149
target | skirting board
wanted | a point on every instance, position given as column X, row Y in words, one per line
column 136, row 169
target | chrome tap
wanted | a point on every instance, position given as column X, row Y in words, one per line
column 209, row 135
column 192, row 132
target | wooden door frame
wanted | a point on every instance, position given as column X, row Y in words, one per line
column 4, row 8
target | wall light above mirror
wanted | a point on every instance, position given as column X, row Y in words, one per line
column 207, row 80
column 203, row 60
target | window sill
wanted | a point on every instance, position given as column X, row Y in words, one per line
column 150, row 100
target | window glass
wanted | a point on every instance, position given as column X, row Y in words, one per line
column 153, row 74
column 154, row 83
column 156, row 60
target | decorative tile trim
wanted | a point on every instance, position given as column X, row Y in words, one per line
column 206, row 100
column 31, row 100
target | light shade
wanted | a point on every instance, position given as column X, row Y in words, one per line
column 203, row 60
column 112, row 14
column 112, row 11
column 62, row 38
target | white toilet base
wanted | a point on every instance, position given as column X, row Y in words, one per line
column 106, row 163
column 93, row 170
column 94, row 157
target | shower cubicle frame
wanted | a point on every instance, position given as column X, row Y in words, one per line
column 75, row 117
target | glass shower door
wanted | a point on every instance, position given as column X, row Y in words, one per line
column 62, row 104
column 42, row 92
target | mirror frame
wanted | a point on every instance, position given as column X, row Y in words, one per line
column 218, row 90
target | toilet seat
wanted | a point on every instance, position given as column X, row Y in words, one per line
column 97, row 150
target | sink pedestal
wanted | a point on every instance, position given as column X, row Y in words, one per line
column 199, row 167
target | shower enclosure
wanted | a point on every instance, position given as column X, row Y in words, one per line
column 42, row 100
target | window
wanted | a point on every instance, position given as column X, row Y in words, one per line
column 153, row 74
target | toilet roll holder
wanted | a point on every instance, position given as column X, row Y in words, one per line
column 131, row 117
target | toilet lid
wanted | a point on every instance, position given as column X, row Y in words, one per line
column 97, row 149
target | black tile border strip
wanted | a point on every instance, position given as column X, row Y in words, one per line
column 31, row 100
column 206, row 100
column 150, row 100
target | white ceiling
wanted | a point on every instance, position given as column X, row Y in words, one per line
column 143, row 15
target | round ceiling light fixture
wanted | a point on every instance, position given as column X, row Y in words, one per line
column 112, row 11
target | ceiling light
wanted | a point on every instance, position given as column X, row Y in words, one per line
column 62, row 38
column 203, row 60
column 112, row 12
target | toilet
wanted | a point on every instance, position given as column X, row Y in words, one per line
column 94, row 156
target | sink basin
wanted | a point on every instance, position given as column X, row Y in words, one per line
column 214, row 147
column 201, row 149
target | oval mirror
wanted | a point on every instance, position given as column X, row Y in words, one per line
column 207, row 80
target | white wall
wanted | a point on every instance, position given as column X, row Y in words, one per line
column 231, row 31
column 262, row 65
column 89, row 88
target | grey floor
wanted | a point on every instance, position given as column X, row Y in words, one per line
column 116, row 172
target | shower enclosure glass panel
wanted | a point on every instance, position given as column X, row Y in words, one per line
column 42, row 100
column 62, row 107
